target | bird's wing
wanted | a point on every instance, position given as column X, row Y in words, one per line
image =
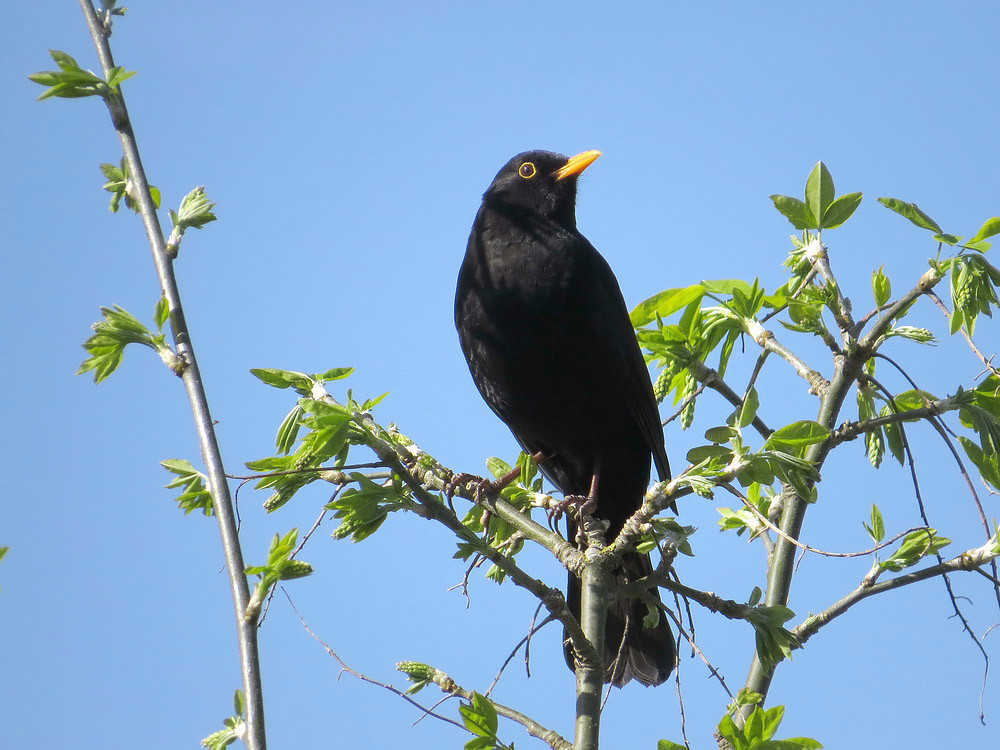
column 607, row 314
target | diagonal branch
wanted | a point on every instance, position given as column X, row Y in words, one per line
column 972, row 559
column 430, row 507
column 710, row 377
column 766, row 339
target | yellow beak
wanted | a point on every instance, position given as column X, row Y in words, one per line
column 577, row 164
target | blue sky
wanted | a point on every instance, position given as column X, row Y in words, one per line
column 347, row 146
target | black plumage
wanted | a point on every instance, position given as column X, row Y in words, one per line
column 546, row 333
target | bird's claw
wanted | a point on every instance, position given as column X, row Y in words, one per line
column 458, row 480
column 584, row 505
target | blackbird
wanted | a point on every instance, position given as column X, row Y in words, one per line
column 546, row 333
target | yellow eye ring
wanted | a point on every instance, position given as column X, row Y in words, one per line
column 527, row 170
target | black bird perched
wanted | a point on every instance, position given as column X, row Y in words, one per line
column 547, row 336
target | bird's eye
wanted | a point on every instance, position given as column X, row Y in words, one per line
column 527, row 170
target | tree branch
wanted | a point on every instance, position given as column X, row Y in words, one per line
column 417, row 479
column 851, row 430
column 927, row 282
column 255, row 737
column 766, row 339
column 972, row 559
column 705, row 374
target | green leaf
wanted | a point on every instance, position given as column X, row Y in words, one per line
column 912, row 212
column 795, row 211
column 664, row 304
column 841, row 210
column 990, row 228
column 910, row 400
column 915, row 546
column 480, row 743
column 729, row 731
column 797, row 436
column 819, row 192
column 877, row 529
column 700, row 453
column 479, row 716
column 282, row 378
column 894, row 437
column 668, row 745
column 497, row 466
column 748, row 411
column 161, row 312
column 117, row 75
column 881, row 287
column 727, row 286
column 111, row 335
column 720, row 434
column 288, row 431
column 485, row 708
column 987, row 463
column 336, row 373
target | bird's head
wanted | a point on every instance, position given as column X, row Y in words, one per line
column 540, row 182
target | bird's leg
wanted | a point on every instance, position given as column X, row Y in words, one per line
column 584, row 504
column 485, row 485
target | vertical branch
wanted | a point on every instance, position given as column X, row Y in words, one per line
column 590, row 676
column 222, row 502
column 781, row 568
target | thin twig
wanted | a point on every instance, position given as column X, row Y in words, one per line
column 684, row 404
column 319, row 520
column 923, row 514
column 972, row 344
column 805, row 547
column 526, row 641
column 810, row 275
column 365, row 678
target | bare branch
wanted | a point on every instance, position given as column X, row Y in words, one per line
column 766, row 339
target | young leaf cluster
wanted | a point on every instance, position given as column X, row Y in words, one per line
column 280, row 566
column 71, row 81
column 757, row 732
column 915, row 546
column 328, row 433
column 194, row 213
column 234, row 727
column 119, row 329
column 121, row 187
column 364, row 508
column 194, row 494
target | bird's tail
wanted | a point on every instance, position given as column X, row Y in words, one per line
column 631, row 651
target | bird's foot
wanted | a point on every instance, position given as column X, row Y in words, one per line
column 461, row 479
column 584, row 505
